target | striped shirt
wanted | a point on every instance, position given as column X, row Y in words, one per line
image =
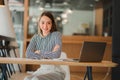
column 45, row 45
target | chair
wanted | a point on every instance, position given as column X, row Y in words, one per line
column 7, row 70
column 65, row 67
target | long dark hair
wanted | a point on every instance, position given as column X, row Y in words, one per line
column 49, row 14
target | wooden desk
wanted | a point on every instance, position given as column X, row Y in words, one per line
column 89, row 65
column 72, row 45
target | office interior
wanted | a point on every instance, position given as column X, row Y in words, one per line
column 78, row 21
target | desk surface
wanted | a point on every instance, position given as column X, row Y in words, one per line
column 55, row 62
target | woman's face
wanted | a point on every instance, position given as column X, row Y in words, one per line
column 45, row 24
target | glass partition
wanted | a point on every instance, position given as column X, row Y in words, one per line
column 73, row 17
column 17, row 12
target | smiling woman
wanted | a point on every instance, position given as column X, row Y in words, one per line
column 46, row 44
column 73, row 20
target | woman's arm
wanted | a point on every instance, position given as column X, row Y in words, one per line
column 31, row 48
column 56, row 51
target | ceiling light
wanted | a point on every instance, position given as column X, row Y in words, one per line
column 34, row 19
column 68, row 11
column 37, row 1
column 58, row 18
column 6, row 25
column 41, row 8
column 96, row 0
column 91, row 5
column 65, row 3
column 48, row 5
column 64, row 21
column 64, row 15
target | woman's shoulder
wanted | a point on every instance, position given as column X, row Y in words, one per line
column 35, row 35
column 56, row 33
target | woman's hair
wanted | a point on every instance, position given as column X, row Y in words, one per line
column 49, row 15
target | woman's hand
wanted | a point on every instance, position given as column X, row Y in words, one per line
column 37, row 52
column 55, row 48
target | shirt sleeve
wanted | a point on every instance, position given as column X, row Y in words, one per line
column 31, row 48
column 55, row 54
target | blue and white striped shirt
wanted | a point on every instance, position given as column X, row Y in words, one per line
column 45, row 45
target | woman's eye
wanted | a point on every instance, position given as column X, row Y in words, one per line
column 42, row 22
column 49, row 23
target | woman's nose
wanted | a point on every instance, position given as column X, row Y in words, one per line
column 45, row 24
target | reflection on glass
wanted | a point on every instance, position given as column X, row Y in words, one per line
column 17, row 12
column 69, row 14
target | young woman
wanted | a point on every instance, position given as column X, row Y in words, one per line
column 46, row 45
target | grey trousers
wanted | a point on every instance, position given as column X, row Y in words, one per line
column 49, row 76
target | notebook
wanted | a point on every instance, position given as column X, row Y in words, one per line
column 91, row 52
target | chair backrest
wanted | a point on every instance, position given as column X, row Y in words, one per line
column 65, row 67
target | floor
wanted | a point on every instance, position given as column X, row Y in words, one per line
column 74, row 76
column 96, row 76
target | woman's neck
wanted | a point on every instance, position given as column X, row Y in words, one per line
column 45, row 34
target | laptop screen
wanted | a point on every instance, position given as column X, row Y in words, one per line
column 92, row 51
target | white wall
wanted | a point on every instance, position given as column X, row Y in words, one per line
column 75, row 19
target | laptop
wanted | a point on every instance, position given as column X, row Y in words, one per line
column 91, row 52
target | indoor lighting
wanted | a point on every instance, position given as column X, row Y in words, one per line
column 96, row 0
column 6, row 27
